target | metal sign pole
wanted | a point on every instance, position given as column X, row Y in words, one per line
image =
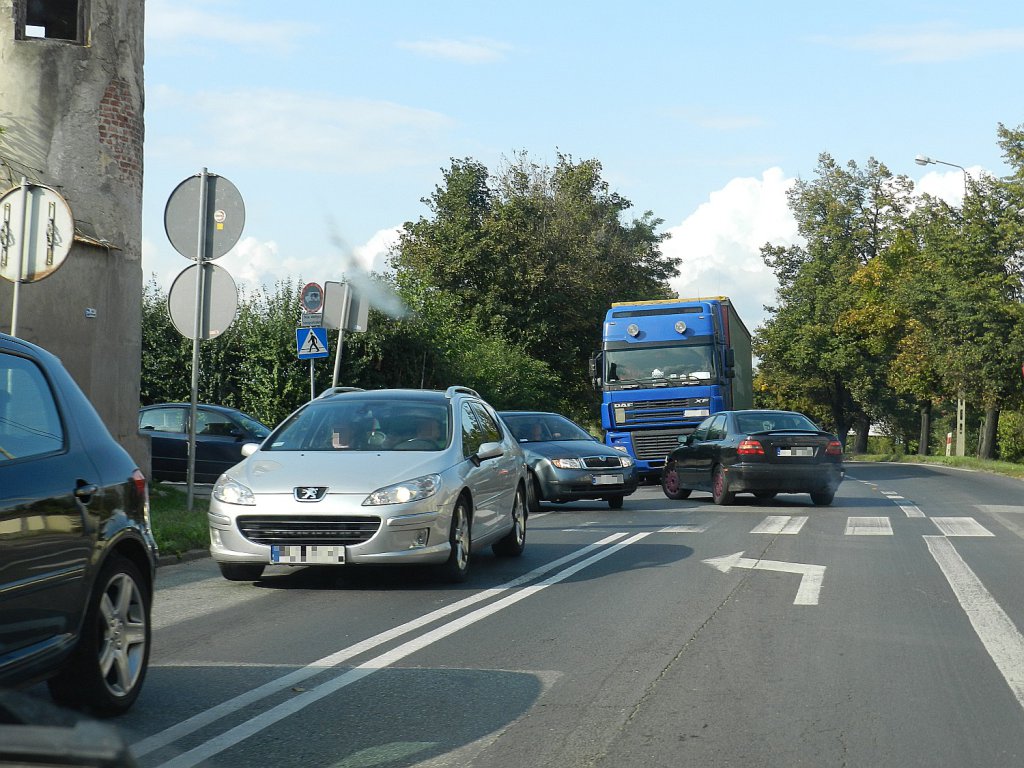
column 22, row 255
column 312, row 381
column 341, row 331
column 197, row 334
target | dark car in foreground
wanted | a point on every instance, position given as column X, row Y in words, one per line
column 567, row 463
column 77, row 554
column 763, row 452
column 220, row 434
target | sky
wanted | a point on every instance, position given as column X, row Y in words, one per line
column 335, row 119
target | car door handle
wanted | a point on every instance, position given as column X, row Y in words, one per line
column 85, row 492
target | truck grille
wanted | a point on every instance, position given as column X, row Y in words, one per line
column 292, row 530
column 656, row 444
column 657, row 411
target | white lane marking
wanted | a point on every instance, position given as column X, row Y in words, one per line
column 961, row 526
column 201, row 720
column 781, row 524
column 998, row 633
column 288, row 708
column 1002, row 509
column 685, row 528
column 811, row 576
column 868, row 526
column 911, row 510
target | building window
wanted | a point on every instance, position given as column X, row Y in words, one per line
column 63, row 20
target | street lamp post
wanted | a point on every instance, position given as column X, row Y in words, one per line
column 961, row 404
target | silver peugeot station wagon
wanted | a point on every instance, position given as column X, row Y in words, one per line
column 392, row 476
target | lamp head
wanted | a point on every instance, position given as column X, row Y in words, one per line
column 923, row 160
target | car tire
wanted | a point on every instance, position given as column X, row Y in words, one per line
column 765, row 495
column 241, row 571
column 104, row 673
column 514, row 542
column 456, row 568
column 822, row 498
column 720, row 492
column 615, row 502
column 670, row 484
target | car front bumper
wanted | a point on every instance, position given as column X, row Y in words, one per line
column 574, row 484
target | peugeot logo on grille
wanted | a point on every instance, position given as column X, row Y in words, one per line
column 310, row 492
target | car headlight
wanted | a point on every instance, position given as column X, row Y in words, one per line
column 568, row 463
column 409, row 490
column 233, row 492
column 626, row 461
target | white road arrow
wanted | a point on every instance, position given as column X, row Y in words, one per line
column 810, row 581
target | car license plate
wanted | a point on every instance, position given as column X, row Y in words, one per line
column 607, row 479
column 307, row 555
column 801, row 450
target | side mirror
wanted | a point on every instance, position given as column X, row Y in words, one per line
column 249, row 449
column 487, row 451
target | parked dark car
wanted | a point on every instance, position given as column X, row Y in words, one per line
column 220, row 434
column 567, row 463
column 77, row 555
column 760, row 452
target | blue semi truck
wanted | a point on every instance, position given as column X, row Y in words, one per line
column 663, row 367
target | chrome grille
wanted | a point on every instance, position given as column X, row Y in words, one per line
column 292, row 530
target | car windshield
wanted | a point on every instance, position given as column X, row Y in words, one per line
column 259, row 430
column 364, row 424
column 543, row 427
column 674, row 364
column 770, row 422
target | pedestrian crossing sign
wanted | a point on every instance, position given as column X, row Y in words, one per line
column 311, row 342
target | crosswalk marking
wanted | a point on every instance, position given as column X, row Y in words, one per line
column 911, row 510
column 781, row 524
column 868, row 526
column 961, row 526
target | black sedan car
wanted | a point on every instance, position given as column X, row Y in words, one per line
column 760, row 452
column 220, row 434
column 77, row 555
column 567, row 463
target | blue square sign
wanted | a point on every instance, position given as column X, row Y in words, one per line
column 311, row 342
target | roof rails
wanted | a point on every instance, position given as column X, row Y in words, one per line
column 338, row 390
column 456, row 390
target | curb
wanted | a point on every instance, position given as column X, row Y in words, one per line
column 184, row 557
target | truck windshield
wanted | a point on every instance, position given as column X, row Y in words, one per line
column 673, row 364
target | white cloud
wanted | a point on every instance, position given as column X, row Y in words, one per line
column 468, row 51
column 719, row 244
column 947, row 185
column 934, row 42
column 181, row 28
column 299, row 132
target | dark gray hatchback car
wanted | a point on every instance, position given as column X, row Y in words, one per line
column 77, row 554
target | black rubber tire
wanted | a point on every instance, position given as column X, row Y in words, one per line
column 514, row 542
column 822, row 498
column 670, row 484
column 241, row 571
column 105, row 672
column 615, row 502
column 720, row 492
column 456, row 568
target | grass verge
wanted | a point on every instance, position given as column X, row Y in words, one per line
column 177, row 530
column 1007, row 468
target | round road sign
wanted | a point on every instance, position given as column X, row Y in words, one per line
column 311, row 298
column 220, row 302
column 41, row 218
column 222, row 221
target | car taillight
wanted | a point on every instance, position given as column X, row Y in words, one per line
column 834, row 448
column 750, row 448
column 142, row 489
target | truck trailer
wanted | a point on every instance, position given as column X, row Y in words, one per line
column 663, row 367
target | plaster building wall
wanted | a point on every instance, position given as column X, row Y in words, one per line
column 71, row 107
